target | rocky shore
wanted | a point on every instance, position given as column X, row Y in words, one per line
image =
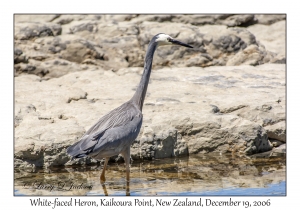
column 226, row 95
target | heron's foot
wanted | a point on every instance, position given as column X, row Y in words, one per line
column 104, row 189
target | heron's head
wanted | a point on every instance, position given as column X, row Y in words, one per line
column 164, row 39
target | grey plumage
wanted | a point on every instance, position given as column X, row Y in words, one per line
column 108, row 136
column 114, row 133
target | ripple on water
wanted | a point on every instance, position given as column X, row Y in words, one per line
column 184, row 176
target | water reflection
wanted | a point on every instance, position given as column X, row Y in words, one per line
column 193, row 175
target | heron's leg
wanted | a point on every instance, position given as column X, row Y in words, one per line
column 102, row 177
column 104, row 189
column 126, row 155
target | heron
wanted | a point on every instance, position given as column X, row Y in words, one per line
column 114, row 133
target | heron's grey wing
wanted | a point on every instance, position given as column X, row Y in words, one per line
column 116, row 139
column 115, row 118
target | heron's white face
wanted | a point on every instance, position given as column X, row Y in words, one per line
column 163, row 39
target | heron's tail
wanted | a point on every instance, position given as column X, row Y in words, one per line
column 75, row 151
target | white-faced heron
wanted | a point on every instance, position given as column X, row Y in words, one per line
column 114, row 133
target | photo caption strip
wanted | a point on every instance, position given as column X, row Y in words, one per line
column 55, row 203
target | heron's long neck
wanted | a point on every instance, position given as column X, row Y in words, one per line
column 139, row 96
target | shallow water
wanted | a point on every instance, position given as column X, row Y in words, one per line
column 184, row 176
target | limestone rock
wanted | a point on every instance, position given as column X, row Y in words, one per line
column 277, row 131
column 180, row 124
column 199, row 20
column 113, row 42
column 36, row 18
column 279, row 150
column 70, row 70
column 271, row 41
column 19, row 57
column 240, row 20
column 31, row 30
column 276, row 143
column 270, row 18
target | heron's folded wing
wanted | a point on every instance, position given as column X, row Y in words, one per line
column 116, row 118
